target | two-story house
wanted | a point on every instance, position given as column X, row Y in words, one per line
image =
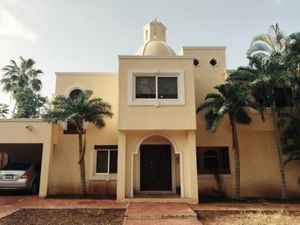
column 156, row 145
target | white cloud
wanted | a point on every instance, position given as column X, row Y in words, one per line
column 278, row 2
column 14, row 3
column 10, row 26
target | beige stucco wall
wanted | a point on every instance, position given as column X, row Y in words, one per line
column 15, row 131
column 64, row 171
column 152, row 117
column 258, row 154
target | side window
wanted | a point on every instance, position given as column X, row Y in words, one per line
column 283, row 97
column 211, row 160
column 106, row 160
column 71, row 128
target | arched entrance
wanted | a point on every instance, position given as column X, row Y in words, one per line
column 156, row 167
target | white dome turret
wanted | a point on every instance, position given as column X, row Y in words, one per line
column 155, row 41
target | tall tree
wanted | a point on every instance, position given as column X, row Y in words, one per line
column 264, row 45
column 292, row 61
column 28, row 103
column 23, row 75
column 3, row 110
column 79, row 110
column 265, row 78
column 230, row 100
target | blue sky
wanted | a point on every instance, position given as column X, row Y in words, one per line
column 88, row 35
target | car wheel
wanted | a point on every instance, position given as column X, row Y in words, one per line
column 34, row 188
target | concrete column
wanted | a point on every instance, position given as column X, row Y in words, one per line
column 192, row 166
column 45, row 170
column 121, row 166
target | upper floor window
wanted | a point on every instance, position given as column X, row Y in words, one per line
column 156, row 87
column 148, row 87
column 213, row 62
column 283, row 98
column 75, row 93
column 71, row 128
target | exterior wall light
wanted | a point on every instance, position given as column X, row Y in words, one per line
column 63, row 125
column 29, row 127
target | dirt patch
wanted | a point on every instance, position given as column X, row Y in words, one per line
column 65, row 217
column 246, row 218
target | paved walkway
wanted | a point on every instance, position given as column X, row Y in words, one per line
column 138, row 213
column 160, row 214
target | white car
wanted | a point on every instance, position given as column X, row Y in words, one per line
column 20, row 176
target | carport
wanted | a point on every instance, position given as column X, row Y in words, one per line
column 28, row 141
column 22, row 154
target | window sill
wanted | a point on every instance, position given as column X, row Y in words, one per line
column 104, row 177
column 156, row 102
column 71, row 132
column 211, row 176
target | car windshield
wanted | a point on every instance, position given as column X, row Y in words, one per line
column 17, row 166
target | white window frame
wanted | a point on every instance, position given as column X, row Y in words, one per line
column 132, row 100
column 93, row 168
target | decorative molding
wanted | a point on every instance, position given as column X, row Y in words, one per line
column 176, row 150
column 132, row 101
column 94, row 176
column 72, row 87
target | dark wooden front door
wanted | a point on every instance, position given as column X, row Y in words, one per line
column 155, row 168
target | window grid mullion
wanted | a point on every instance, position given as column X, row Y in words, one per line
column 156, row 87
column 108, row 162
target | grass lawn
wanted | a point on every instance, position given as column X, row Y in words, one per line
column 65, row 217
column 249, row 218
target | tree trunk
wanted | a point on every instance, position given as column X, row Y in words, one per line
column 279, row 152
column 237, row 188
column 82, row 164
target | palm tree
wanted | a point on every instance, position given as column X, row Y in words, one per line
column 79, row 110
column 264, row 78
column 3, row 110
column 230, row 101
column 264, row 45
column 292, row 54
column 23, row 75
column 292, row 60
